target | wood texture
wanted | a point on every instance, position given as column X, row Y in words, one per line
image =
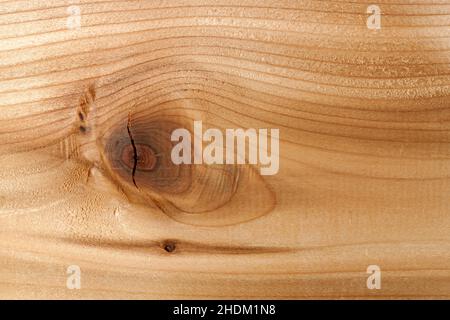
column 364, row 123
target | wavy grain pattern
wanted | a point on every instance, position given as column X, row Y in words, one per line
column 86, row 177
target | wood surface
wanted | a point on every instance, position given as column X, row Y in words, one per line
column 364, row 119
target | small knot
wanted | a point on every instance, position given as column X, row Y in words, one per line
column 169, row 247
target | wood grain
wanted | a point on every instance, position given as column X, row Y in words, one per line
column 364, row 123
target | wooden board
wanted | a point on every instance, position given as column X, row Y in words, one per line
column 364, row 123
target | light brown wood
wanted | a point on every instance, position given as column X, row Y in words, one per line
column 364, row 123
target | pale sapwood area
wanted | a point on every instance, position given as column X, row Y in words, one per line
column 364, row 120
